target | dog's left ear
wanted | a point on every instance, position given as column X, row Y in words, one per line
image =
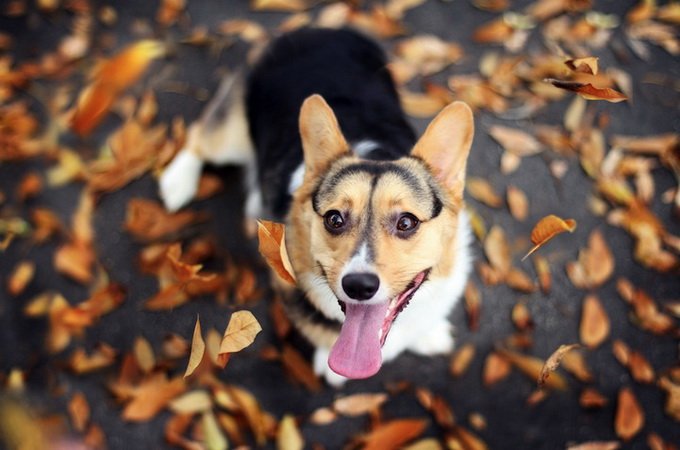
column 322, row 140
column 445, row 146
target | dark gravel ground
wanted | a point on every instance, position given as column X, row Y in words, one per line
column 551, row 424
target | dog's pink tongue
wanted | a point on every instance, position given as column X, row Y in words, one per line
column 356, row 353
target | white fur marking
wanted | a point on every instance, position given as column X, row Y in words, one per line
column 360, row 263
column 179, row 180
column 364, row 147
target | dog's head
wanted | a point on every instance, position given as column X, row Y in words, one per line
column 365, row 235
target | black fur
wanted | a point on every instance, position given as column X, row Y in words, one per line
column 350, row 72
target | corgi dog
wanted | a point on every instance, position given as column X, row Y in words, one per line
column 376, row 229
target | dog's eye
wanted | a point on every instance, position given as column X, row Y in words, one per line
column 334, row 221
column 407, row 224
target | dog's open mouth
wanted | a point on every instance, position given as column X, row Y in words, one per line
column 357, row 352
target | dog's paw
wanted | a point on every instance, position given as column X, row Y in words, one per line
column 436, row 341
column 179, row 181
column 321, row 368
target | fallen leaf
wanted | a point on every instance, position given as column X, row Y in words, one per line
column 542, row 268
column 147, row 220
column 298, row 367
column 146, row 360
column 281, row 5
column 393, row 434
column 595, row 445
column 590, row 399
column 20, row 277
column 672, row 407
column 547, row 228
column 240, row 332
column 252, row 411
column 595, row 263
column 553, row 362
column 461, row 359
column 588, row 91
column 288, row 436
column 515, row 141
column 101, row 357
column 272, row 246
column 518, row 203
column 79, row 411
column 214, row 439
column 355, row 405
column 521, row 317
column 473, row 302
column 109, row 80
column 197, row 350
column 629, row 418
column 438, row 407
column 428, row 53
column 496, row 368
column 151, row 396
column 575, row 363
column 595, row 323
column 193, row 402
column 587, row 65
column 482, row 191
column 533, row 367
column 497, row 250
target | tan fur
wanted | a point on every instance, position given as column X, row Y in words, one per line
column 443, row 150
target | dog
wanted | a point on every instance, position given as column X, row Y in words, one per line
column 376, row 230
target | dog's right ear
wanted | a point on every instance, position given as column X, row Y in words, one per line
column 322, row 140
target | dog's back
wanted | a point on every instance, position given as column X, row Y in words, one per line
column 350, row 72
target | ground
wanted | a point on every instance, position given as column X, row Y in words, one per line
column 577, row 175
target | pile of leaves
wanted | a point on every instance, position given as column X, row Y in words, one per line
column 83, row 117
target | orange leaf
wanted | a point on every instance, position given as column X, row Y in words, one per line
column 481, row 190
column 359, row 404
column 497, row 250
column 594, row 322
column 547, row 228
column 595, row 263
column 272, row 246
column 148, row 220
column 461, row 359
column 240, row 332
column 533, row 367
column 588, row 91
column 151, row 396
column 495, row 369
column 629, row 415
column 393, row 434
column 583, row 65
column 20, row 278
column 299, row 368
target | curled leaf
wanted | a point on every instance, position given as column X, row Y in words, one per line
column 588, row 91
column 547, row 228
column 553, row 362
column 272, row 246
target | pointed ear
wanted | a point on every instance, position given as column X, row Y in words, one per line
column 445, row 146
column 322, row 140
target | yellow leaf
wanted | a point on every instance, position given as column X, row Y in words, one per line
column 197, row 350
column 240, row 332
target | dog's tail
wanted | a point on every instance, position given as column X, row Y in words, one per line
column 220, row 136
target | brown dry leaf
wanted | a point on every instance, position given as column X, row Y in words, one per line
column 497, row 250
column 596, row 445
column 629, row 418
column 75, row 259
column 518, row 203
column 193, row 402
column 79, row 411
column 109, row 79
column 240, row 332
column 45, row 224
column 461, row 359
column 645, row 310
column 672, row 407
column 252, row 411
column 595, row 263
column 496, row 368
column 644, row 10
column 547, row 228
column 146, row 360
column 81, row 363
column 323, row 416
column 197, row 350
column 288, row 436
column 532, row 367
column 553, row 362
column 428, row 53
column 473, row 302
column 359, row 404
column 147, row 220
column 587, row 65
column 20, row 277
column 393, row 434
column 595, row 323
column 640, row 369
column 299, row 368
column 438, row 407
column 482, row 191
column 420, row 105
column 542, row 268
column 588, row 91
column 521, row 317
column 272, row 246
column 515, row 141
column 496, row 31
column 183, row 272
column 151, row 396
column 281, row 5
column 591, row 399
column 462, row 438
column 575, row 363
column 168, row 298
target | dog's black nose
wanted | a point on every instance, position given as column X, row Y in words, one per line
column 360, row 286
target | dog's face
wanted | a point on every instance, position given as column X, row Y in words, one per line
column 365, row 235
